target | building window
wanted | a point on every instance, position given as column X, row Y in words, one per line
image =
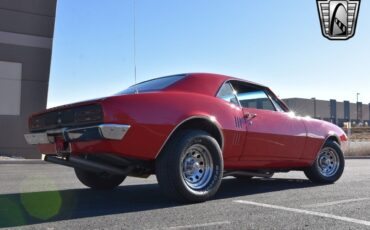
column 10, row 88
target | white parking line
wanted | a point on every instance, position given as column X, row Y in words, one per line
column 320, row 214
column 335, row 202
column 198, row 225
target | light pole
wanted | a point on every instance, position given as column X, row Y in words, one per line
column 314, row 107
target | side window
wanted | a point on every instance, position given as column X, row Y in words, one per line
column 227, row 93
column 253, row 97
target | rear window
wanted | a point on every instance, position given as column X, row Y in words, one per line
column 152, row 85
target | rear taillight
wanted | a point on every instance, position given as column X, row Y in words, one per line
column 84, row 115
column 37, row 123
column 89, row 114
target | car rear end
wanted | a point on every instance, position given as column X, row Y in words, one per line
column 54, row 131
column 61, row 134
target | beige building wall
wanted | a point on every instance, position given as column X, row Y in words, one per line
column 302, row 107
column 323, row 109
column 305, row 107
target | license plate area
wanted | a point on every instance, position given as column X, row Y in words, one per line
column 37, row 138
column 61, row 146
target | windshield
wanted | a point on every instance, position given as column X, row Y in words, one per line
column 152, row 85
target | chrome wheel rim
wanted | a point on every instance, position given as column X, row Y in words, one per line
column 328, row 162
column 196, row 167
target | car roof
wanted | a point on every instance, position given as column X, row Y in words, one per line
column 224, row 77
column 205, row 83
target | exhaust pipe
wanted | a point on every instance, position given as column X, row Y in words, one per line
column 246, row 173
column 88, row 165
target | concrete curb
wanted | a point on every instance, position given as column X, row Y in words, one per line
column 356, row 157
column 22, row 161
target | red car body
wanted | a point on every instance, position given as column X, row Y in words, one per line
column 271, row 140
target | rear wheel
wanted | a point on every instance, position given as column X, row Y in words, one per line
column 328, row 166
column 190, row 168
column 97, row 181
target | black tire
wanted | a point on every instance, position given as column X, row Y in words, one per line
column 175, row 174
column 96, row 181
column 333, row 153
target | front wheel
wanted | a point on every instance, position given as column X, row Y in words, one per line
column 328, row 166
column 97, row 181
column 190, row 168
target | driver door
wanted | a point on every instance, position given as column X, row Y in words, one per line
column 271, row 133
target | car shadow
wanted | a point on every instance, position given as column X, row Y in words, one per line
column 48, row 206
column 232, row 187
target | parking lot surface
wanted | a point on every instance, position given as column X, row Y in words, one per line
column 47, row 196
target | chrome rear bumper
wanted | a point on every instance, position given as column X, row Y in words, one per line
column 104, row 131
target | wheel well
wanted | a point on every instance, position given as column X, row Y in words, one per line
column 200, row 124
column 333, row 138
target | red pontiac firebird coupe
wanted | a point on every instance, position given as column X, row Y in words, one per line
column 191, row 130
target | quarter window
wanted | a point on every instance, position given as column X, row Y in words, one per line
column 227, row 93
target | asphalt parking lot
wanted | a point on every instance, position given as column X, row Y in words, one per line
column 46, row 196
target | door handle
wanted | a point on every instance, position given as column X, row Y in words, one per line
column 249, row 116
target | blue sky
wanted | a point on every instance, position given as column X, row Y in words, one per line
column 276, row 43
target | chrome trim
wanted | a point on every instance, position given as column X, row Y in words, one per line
column 328, row 162
column 196, row 167
column 55, row 131
column 113, row 132
column 235, row 93
column 104, row 131
column 188, row 119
